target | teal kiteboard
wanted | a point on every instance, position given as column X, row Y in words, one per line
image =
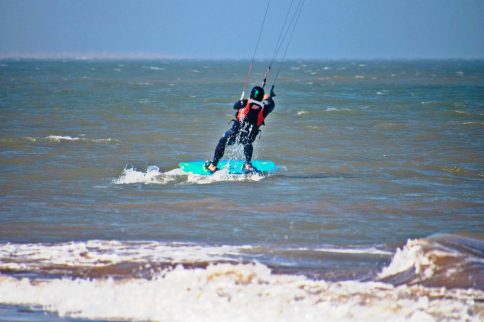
column 233, row 166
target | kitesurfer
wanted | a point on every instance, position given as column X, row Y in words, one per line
column 249, row 117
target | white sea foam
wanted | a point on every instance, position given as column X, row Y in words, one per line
column 154, row 176
column 59, row 138
column 102, row 253
column 334, row 109
column 302, row 112
column 156, row 68
column 370, row 251
column 238, row 292
column 131, row 175
column 220, row 176
column 224, row 291
column 472, row 123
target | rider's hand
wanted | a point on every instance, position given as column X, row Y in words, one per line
column 272, row 94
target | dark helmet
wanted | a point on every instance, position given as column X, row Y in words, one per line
column 257, row 93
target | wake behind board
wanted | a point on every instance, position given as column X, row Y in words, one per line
column 233, row 166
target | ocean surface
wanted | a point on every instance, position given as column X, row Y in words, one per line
column 375, row 213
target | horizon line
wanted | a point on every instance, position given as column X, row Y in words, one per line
column 158, row 56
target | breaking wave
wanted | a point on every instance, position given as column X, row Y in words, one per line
column 449, row 261
column 121, row 258
column 444, row 260
column 155, row 281
column 241, row 292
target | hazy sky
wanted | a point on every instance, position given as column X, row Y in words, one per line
column 229, row 28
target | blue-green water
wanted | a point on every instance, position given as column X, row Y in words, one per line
column 371, row 154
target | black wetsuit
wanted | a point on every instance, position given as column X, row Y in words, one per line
column 242, row 132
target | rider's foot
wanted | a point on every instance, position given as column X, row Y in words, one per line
column 249, row 168
column 210, row 166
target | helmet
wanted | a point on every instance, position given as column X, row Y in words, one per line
column 257, row 93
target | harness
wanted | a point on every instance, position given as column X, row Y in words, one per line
column 253, row 113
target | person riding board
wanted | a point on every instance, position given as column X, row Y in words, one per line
column 250, row 116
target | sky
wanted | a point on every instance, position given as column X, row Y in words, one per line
column 228, row 29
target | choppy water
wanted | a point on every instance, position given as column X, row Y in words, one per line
column 376, row 211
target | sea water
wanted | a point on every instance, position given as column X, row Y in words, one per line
column 376, row 212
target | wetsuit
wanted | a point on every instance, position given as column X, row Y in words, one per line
column 243, row 132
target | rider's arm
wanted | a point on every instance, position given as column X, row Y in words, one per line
column 240, row 104
column 269, row 105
